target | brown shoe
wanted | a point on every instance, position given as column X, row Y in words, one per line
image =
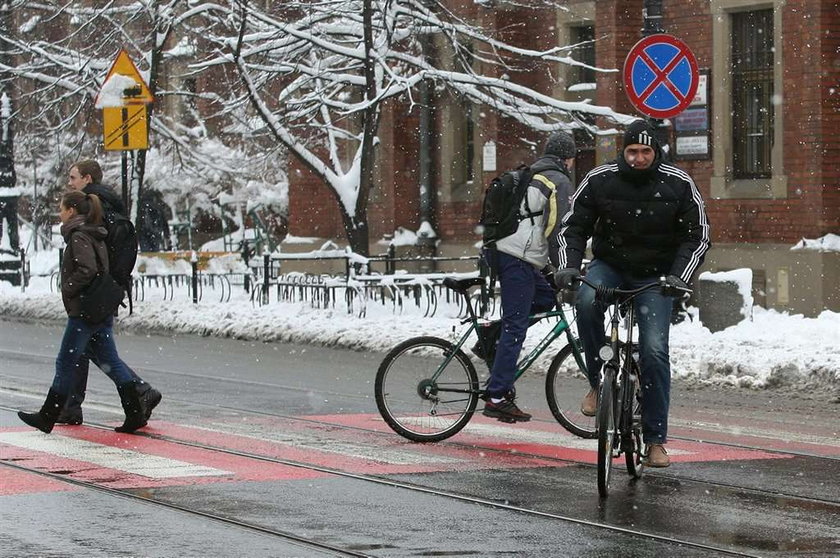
column 589, row 405
column 656, row 456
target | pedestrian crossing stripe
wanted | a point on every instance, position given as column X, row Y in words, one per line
column 128, row 461
column 324, row 442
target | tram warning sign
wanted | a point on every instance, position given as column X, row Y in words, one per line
column 125, row 128
column 661, row 76
column 125, row 77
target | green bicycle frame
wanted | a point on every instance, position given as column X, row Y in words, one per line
column 561, row 327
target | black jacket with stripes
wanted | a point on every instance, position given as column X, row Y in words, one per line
column 642, row 222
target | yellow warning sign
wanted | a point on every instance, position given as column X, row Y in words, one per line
column 123, row 85
column 125, row 128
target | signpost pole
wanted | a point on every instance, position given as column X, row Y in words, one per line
column 652, row 16
column 124, row 176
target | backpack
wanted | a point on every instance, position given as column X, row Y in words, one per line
column 122, row 248
column 500, row 214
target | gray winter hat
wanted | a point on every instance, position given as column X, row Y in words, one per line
column 561, row 144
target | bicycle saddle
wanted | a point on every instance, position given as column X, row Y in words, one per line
column 461, row 285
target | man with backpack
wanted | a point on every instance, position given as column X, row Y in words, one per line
column 516, row 247
column 86, row 176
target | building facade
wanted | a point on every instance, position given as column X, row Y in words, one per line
column 762, row 144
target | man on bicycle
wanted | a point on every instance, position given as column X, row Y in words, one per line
column 646, row 219
column 518, row 260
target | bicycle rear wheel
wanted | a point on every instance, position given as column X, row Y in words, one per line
column 631, row 427
column 565, row 385
column 418, row 407
column 606, row 430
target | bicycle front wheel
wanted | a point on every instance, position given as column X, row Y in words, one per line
column 565, row 385
column 419, row 397
column 606, row 431
column 631, row 424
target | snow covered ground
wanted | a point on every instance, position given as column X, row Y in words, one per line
column 771, row 349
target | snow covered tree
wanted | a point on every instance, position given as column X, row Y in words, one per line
column 317, row 73
column 58, row 54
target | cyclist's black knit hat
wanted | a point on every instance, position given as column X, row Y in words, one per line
column 640, row 132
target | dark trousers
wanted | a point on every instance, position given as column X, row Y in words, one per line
column 653, row 315
column 98, row 340
column 77, row 391
column 524, row 291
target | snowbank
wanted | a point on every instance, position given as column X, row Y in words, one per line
column 773, row 350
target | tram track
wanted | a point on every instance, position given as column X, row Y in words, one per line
column 453, row 442
column 295, row 389
column 382, row 481
column 309, row 544
column 185, row 406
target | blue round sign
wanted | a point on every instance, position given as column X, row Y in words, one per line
column 661, row 76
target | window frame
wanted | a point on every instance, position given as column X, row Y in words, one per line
column 723, row 183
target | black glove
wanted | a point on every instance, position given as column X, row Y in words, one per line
column 567, row 279
column 674, row 286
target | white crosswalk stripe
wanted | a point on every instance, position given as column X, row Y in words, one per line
column 134, row 462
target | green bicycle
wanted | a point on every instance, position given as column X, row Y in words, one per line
column 427, row 388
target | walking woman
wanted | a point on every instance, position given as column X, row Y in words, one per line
column 85, row 256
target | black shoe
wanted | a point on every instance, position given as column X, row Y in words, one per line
column 134, row 415
column 149, row 400
column 70, row 416
column 505, row 411
column 44, row 420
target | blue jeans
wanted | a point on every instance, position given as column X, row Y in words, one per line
column 524, row 291
column 653, row 316
column 99, row 342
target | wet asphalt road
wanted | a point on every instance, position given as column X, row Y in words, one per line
column 307, row 460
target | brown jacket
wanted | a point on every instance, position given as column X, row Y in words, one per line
column 80, row 264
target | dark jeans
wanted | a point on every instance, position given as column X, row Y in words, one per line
column 98, row 341
column 653, row 314
column 524, row 291
column 77, row 392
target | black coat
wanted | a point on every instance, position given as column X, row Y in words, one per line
column 644, row 223
column 107, row 195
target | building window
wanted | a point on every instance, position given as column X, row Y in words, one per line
column 752, row 94
column 469, row 141
column 584, row 37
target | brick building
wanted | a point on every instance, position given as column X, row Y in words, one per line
column 763, row 147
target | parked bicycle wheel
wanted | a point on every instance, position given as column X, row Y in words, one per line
column 565, row 386
column 631, row 426
column 419, row 396
column 606, row 430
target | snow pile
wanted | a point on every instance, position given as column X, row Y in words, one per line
column 827, row 243
column 111, row 94
column 773, row 350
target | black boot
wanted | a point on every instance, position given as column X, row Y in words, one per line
column 134, row 415
column 72, row 411
column 44, row 420
column 149, row 398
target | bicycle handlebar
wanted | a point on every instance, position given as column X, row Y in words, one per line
column 611, row 293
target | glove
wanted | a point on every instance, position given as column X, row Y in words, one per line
column 674, row 286
column 567, row 279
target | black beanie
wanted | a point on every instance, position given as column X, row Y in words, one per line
column 640, row 132
column 561, row 144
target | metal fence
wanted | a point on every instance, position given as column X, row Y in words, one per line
column 360, row 287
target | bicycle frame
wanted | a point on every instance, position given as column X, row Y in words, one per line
column 561, row 327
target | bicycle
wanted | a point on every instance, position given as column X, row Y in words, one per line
column 426, row 399
column 618, row 417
